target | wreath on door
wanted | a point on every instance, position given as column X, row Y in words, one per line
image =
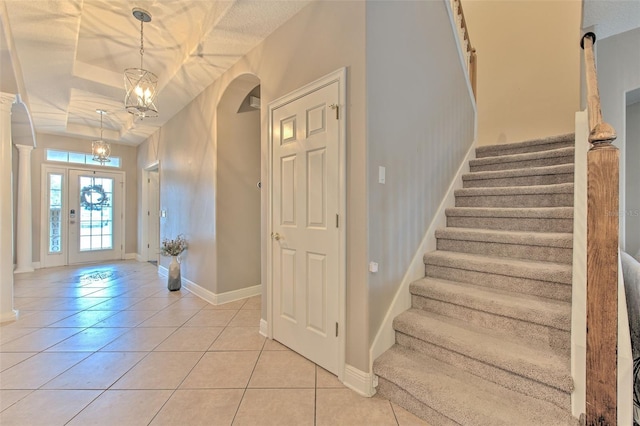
column 93, row 197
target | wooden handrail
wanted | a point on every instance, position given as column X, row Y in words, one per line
column 472, row 59
column 600, row 132
column 602, row 256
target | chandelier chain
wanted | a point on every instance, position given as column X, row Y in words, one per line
column 141, row 41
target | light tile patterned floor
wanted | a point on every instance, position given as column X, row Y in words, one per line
column 110, row 345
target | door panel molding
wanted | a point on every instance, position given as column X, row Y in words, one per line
column 286, row 132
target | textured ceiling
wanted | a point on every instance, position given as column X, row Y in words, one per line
column 72, row 54
column 611, row 17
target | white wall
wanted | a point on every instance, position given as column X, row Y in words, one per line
column 632, row 178
column 420, row 125
column 528, row 67
column 322, row 38
column 618, row 64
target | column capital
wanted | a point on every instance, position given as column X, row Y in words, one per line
column 6, row 101
column 23, row 148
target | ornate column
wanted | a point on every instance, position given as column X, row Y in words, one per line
column 6, row 211
column 24, row 232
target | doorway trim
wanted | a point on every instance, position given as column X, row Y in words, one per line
column 339, row 76
column 144, row 236
column 44, row 226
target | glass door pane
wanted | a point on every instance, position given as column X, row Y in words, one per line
column 96, row 213
column 95, row 216
column 55, row 213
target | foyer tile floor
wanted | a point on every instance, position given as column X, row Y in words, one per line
column 109, row 345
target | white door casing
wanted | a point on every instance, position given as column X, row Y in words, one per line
column 153, row 216
column 306, row 255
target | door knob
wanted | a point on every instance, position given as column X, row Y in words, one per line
column 276, row 236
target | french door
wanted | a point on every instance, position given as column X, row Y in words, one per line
column 83, row 210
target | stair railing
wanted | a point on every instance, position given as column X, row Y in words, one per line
column 602, row 255
column 470, row 52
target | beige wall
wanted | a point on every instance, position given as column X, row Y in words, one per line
column 127, row 156
column 632, row 178
column 322, row 38
column 618, row 64
column 420, row 125
column 528, row 67
column 238, row 197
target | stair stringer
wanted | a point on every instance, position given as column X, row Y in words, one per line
column 385, row 337
column 579, row 273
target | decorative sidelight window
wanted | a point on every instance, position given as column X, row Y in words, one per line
column 55, row 213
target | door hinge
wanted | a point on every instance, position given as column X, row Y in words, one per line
column 148, row 180
column 147, row 245
column 336, row 329
column 336, row 107
column 148, row 213
column 337, row 220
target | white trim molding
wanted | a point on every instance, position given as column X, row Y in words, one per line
column 264, row 327
column 211, row 297
column 359, row 381
column 130, row 256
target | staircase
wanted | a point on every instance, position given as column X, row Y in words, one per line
column 487, row 339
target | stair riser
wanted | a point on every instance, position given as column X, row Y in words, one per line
column 554, row 338
column 518, row 181
column 523, row 150
column 551, row 290
column 511, row 224
column 492, row 373
column 397, row 395
column 516, row 251
column 516, row 200
column 510, row 165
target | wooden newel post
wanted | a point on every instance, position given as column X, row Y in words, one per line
column 602, row 257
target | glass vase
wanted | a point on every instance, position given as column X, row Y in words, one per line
column 174, row 280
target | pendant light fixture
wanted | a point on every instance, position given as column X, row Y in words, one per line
column 101, row 150
column 140, row 84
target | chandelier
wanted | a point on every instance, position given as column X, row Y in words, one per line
column 101, row 150
column 140, row 84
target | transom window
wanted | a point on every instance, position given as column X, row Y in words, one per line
column 79, row 158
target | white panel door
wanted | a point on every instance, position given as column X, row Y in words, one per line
column 95, row 216
column 305, row 238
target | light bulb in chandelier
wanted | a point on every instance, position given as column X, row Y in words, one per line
column 100, row 149
column 140, row 84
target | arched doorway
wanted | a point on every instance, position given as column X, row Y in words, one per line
column 238, row 186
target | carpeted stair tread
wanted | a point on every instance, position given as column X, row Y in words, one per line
column 542, row 271
column 561, row 173
column 488, row 346
column 553, row 195
column 519, row 160
column 462, row 397
column 559, row 188
column 537, row 219
column 543, row 144
column 544, row 239
column 537, row 310
column 513, row 212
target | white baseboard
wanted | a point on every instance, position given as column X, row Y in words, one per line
column 359, row 381
column 36, row 265
column 385, row 338
column 139, row 257
column 9, row 316
column 131, row 256
column 264, row 328
column 211, row 297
